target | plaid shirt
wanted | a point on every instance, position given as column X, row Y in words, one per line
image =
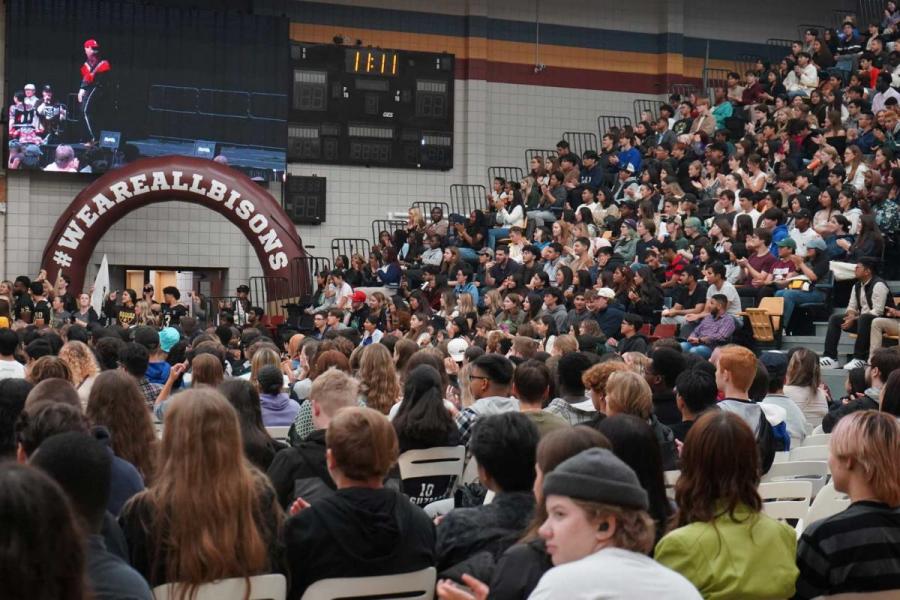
column 149, row 390
column 465, row 420
column 717, row 330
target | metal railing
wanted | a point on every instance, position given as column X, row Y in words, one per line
column 644, row 105
column 606, row 123
column 533, row 152
column 388, row 225
column 581, row 141
column 507, row 173
column 211, row 102
column 464, row 198
column 349, row 246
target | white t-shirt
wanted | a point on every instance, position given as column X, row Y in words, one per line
column 614, row 574
column 11, row 369
column 802, row 238
column 345, row 291
column 729, row 291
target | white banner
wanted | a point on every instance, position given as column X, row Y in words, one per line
column 101, row 287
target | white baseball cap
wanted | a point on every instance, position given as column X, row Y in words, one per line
column 457, row 349
column 606, row 292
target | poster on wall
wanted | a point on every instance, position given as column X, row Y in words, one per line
column 95, row 84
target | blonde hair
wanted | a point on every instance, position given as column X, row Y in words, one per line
column 333, row 390
column 264, row 355
column 565, row 344
column 378, row 376
column 629, row 393
column 80, row 360
column 416, row 217
column 146, row 317
column 637, row 362
column 872, row 440
column 465, row 304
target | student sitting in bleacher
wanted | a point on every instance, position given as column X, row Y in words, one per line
column 363, row 529
column 858, row 549
column 724, row 543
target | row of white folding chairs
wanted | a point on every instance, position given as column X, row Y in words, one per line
column 418, row 585
column 792, row 500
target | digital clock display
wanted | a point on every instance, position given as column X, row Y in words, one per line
column 369, row 61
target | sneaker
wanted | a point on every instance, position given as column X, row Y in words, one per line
column 826, row 362
column 856, row 363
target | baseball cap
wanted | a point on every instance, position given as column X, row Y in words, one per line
column 787, row 243
column 30, row 86
column 629, row 167
column 358, row 296
column 775, row 362
column 486, row 251
column 630, row 223
column 168, row 337
column 243, row 288
column 92, row 43
column 457, row 349
column 816, row 243
column 606, row 292
column 803, row 213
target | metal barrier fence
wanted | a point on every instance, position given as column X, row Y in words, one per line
column 581, row 141
column 270, row 294
column 533, row 152
column 778, row 48
column 713, row 78
column 349, row 246
column 464, row 198
column 643, row 105
column 507, row 173
column 426, row 206
column 606, row 123
column 389, row 225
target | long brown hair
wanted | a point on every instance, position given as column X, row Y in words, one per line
column 378, row 378
column 719, row 469
column 116, row 403
column 202, row 450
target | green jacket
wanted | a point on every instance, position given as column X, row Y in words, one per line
column 751, row 557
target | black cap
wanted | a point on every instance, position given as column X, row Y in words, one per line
column 802, row 214
column 243, row 288
column 47, row 88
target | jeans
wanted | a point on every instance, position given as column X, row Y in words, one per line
column 467, row 254
column 862, row 327
column 794, row 297
column 704, row 351
column 541, row 217
column 496, row 234
column 794, row 93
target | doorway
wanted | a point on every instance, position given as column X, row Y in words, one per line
column 209, row 282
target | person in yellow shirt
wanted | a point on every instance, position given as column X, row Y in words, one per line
column 723, row 543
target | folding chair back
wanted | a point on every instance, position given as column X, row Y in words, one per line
column 278, row 433
column 761, row 323
column 805, row 452
column 775, row 307
column 827, row 502
column 816, row 472
column 429, row 475
column 262, row 587
column 794, row 489
column 418, row 585
column 817, row 439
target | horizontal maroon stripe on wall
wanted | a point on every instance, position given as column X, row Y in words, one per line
column 585, row 79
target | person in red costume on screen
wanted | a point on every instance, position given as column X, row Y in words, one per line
column 94, row 72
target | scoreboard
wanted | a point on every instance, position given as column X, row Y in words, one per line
column 355, row 105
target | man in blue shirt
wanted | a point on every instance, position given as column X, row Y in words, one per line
column 463, row 286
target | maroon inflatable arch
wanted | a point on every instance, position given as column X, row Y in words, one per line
column 222, row 189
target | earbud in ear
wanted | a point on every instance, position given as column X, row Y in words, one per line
column 603, row 527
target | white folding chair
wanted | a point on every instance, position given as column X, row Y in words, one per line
column 443, row 461
column 470, row 473
column 828, row 502
column 262, row 587
column 439, row 507
column 781, row 457
column 806, row 452
column 815, row 472
column 278, row 433
column 670, row 478
column 418, row 585
column 818, row 429
column 793, row 490
column 784, row 510
column 817, row 439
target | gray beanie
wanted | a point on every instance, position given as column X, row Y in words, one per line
column 597, row 475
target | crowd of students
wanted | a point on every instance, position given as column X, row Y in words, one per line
column 134, row 439
column 571, row 444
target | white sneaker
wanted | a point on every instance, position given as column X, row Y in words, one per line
column 856, row 363
column 826, row 362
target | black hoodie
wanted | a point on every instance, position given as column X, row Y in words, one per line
column 357, row 532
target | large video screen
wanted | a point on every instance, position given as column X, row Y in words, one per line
column 94, row 84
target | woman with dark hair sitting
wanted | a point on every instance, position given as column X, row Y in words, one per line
column 422, row 421
column 723, row 536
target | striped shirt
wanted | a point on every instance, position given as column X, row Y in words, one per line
column 857, row 550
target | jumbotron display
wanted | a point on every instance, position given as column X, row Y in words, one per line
column 355, row 105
